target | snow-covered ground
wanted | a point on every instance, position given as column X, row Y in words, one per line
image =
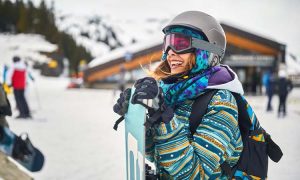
column 74, row 130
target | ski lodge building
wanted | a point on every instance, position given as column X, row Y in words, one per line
column 248, row 54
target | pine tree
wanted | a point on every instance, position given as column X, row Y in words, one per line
column 26, row 18
column 31, row 17
column 22, row 23
column 8, row 11
column 42, row 18
column 1, row 17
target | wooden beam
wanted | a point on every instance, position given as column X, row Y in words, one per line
column 248, row 44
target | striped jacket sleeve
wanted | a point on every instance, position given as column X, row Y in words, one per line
column 199, row 157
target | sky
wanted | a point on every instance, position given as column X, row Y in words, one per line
column 275, row 19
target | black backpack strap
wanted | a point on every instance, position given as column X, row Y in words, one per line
column 243, row 116
column 199, row 108
column 273, row 150
column 244, row 123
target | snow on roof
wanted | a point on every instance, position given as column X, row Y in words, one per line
column 121, row 52
column 27, row 46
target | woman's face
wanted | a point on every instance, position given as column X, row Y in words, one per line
column 178, row 62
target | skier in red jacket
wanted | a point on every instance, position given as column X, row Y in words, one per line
column 18, row 82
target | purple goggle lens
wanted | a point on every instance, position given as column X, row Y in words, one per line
column 177, row 42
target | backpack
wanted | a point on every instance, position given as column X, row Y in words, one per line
column 254, row 158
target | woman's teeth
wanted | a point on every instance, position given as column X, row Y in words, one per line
column 175, row 64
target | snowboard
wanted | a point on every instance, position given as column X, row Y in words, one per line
column 135, row 140
column 21, row 149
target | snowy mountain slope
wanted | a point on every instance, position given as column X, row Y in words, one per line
column 100, row 34
column 90, row 32
column 275, row 18
column 27, row 46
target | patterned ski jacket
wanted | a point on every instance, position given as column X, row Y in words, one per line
column 180, row 155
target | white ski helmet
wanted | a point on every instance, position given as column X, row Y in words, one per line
column 204, row 23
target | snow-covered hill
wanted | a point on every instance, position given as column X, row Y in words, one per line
column 91, row 32
column 130, row 19
column 101, row 34
column 27, row 46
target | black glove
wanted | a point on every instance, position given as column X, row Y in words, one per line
column 150, row 95
column 122, row 104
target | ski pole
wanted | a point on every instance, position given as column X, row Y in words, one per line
column 37, row 97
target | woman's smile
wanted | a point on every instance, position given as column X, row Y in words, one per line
column 178, row 62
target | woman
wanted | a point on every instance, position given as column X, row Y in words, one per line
column 194, row 45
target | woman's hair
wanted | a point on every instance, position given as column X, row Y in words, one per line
column 163, row 70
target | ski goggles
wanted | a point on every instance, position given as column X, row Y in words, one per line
column 181, row 44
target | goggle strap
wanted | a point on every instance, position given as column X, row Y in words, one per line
column 164, row 56
column 204, row 45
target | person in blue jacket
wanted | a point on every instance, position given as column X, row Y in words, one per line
column 194, row 45
column 269, row 81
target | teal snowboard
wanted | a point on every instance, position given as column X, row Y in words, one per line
column 21, row 149
column 135, row 141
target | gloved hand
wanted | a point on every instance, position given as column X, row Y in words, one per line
column 122, row 104
column 7, row 88
column 150, row 95
column 147, row 93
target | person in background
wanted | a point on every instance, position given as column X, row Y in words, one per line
column 4, row 73
column 122, row 81
column 269, row 81
column 6, row 88
column 255, row 82
column 285, row 86
column 17, row 79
